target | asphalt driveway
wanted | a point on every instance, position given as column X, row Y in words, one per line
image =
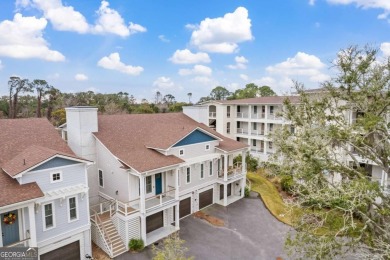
column 250, row 232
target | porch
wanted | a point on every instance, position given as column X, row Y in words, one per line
column 233, row 172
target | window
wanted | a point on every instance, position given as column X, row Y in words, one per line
column 219, row 164
column 238, row 139
column 270, row 145
column 101, row 180
column 292, row 129
column 148, row 183
column 271, row 127
column 255, row 109
column 207, row 147
column 263, row 109
column 56, row 177
column 254, row 126
column 271, row 110
column 48, row 218
column 254, row 142
column 238, row 124
column 188, row 175
column 72, row 203
column 201, row 171
column 228, row 111
column 238, row 109
column 228, row 127
column 211, row 168
column 181, row 152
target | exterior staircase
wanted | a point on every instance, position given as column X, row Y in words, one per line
column 112, row 237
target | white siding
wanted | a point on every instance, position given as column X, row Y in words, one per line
column 193, row 150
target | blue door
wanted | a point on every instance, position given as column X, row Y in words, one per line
column 158, row 182
column 10, row 231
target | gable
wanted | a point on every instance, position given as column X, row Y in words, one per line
column 194, row 138
column 55, row 162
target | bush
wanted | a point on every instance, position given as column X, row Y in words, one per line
column 247, row 191
column 287, row 183
column 136, row 244
column 251, row 162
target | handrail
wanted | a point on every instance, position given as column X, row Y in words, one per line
column 125, row 205
column 18, row 242
column 160, row 197
column 104, row 233
column 234, row 171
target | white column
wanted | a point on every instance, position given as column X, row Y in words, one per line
column 243, row 156
column 249, row 111
column 33, row 230
column 177, row 184
column 225, row 167
column 265, row 147
column 266, row 111
column 142, row 194
column 177, row 221
column 225, row 195
column 243, row 184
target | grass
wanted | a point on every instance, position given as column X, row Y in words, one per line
column 272, row 199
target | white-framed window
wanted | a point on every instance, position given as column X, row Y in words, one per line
column 188, row 175
column 255, row 110
column 253, row 142
column 48, row 216
column 55, row 177
column 271, row 127
column 254, row 126
column 270, row 145
column 148, row 184
column 73, row 213
column 101, row 178
column 201, row 171
column 211, row 168
column 207, row 147
column 181, row 152
column 271, row 110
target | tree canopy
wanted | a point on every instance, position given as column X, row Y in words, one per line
column 339, row 132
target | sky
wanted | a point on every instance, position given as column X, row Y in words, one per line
column 179, row 47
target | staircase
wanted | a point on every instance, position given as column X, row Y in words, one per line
column 112, row 238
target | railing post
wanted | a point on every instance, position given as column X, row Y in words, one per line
column 225, row 170
column 101, row 208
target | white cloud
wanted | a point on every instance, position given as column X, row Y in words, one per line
column 54, row 76
column 63, row 18
column 301, row 64
column 222, row 34
column 22, row 38
column 240, row 63
column 187, row 57
column 113, row 62
column 66, row 18
column 196, row 70
column 81, row 77
column 164, row 83
column 163, row 38
column 202, row 80
column 110, row 21
column 312, row 2
column 385, row 48
column 282, row 85
column 244, row 77
column 367, row 4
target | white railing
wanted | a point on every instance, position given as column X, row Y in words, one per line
column 258, row 116
column 125, row 208
column 102, row 231
column 23, row 242
column 213, row 114
column 242, row 115
column 257, row 150
column 242, row 131
column 228, row 114
column 257, row 132
column 160, row 200
column 233, row 171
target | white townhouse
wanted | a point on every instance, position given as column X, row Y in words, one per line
column 151, row 170
column 249, row 121
column 43, row 191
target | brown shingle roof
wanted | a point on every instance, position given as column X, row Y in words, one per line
column 17, row 135
column 260, row 100
column 30, row 157
column 129, row 136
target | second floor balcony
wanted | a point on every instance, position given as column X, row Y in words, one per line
column 243, row 131
column 233, row 172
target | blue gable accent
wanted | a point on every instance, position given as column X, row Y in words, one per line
column 55, row 162
column 194, row 138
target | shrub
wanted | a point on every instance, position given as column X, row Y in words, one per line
column 136, row 244
column 287, row 183
column 247, row 191
column 251, row 162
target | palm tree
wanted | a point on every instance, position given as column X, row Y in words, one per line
column 189, row 97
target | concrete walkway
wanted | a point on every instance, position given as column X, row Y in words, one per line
column 250, row 232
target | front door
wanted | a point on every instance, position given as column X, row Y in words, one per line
column 158, row 183
column 10, row 227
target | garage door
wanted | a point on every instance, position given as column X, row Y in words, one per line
column 154, row 221
column 205, row 198
column 68, row 252
column 185, row 207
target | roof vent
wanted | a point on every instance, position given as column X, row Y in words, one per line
column 24, row 161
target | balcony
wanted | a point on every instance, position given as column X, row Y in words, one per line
column 228, row 130
column 242, row 115
column 257, row 132
column 233, row 172
column 212, row 114
column 258, row 116
column 257, row 150
column 242, row 131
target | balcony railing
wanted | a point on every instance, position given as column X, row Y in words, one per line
column 233, row 171
column 257, row 132
column 228, row 114
column 242, row 115
column 228, row 130
column 213, row 114
column 242, row 131
column 161, row 199
column 21, row 243
column 257, row 150
column 258, row 116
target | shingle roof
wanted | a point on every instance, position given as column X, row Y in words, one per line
column 128, row 137
column 20, row 138
column 260, row 100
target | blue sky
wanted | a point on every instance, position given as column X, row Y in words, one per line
column 177, row 47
